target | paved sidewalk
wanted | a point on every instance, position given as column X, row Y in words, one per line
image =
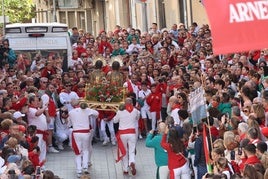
column 103, row 160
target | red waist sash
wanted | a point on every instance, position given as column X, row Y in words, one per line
column 44, row 133
column 74, row 145
column 120, row 145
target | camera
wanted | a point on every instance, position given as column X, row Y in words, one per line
column 232, row 155
column 162, row 79
column 194, row 130
column 11, row 172
column 3, row 49
column 239, row 151
column 38, row 171
column 170, row 126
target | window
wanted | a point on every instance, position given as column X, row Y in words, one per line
column 68, row 3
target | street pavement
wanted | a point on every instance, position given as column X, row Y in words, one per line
column 103, row 163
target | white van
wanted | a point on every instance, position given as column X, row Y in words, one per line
column 40, row 38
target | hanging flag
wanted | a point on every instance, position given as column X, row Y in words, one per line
column 238, row 25
column 206, row 148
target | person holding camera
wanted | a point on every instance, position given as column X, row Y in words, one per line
column 7, row 54
column 145, row 109
column 177, row 162
column 153, row 140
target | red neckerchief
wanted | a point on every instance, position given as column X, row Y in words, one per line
column 129, row 86
column 176, row 106
column 31, row 106
column 151, row 50
column 129, row 108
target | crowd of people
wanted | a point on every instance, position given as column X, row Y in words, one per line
column 39, row 103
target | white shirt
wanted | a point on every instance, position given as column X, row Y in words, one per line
column 142, row 95
column 39, row 121
column 126, row 119
column 80, row 118
column 135, row 88
column 75, row 62
column 175, row 115
column 67, row 98
column 132, row 48
column 61, row 124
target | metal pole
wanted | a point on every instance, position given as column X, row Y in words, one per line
column 185, row 13
column 54, row 11
column 144, row 17
column 104, row 14
column 4, row 17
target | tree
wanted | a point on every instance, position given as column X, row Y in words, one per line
column 19, row 11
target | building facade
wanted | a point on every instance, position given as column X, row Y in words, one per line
column 96, row 15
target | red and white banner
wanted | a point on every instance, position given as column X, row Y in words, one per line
column 238, row 25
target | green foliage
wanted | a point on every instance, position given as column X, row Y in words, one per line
column 19, row 11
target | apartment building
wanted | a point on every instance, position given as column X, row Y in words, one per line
column 96, row 15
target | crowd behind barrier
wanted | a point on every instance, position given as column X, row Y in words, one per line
column 159, row 69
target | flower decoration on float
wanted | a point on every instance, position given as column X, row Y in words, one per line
column 105, row 92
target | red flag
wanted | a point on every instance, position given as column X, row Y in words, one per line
column 240, row 26
column 206, row 146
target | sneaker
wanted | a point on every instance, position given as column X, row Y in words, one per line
column 89, row 164
column 85, row 171
column 105, row 142
column 78, row 175
column 113, row 143
column 125, row 172
column 52, row 150
column 60, row 146
column 140, row 136
column 132, row 168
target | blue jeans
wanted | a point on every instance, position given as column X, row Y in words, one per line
column 201, row 171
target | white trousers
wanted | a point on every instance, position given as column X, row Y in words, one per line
column 43, row 147
column 62, row 135
column 153, row 115
column 182, row 172
column 82, row 142
column 129, row 142
column 110, row 125
column 90, row 148
column 195, row 168
column 163, row 172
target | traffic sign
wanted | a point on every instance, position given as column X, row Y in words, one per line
column 6, row 19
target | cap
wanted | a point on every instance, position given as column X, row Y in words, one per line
column 18, row 114
column 13, row 158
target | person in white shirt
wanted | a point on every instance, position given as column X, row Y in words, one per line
column 62, row 126
column 145, row 109
column 48, row 100
column 80, row 118
column 66, row 96
column 134, row 46
column 174, row 113
column 36, row 117
column 126, row 136
column 131, row 85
